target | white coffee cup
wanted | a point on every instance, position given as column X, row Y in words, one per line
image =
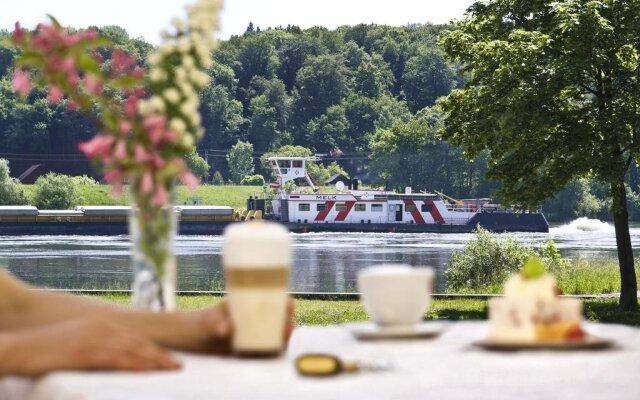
column 396, row 294
column 256, row 258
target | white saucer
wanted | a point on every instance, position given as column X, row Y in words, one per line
column 372, row 331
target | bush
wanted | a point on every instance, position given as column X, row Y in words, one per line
column 487, row 260
column 197, row 165
column 240, row 160
column 11, row 192
column 55, row 192
column 252, row 180
column 217, row 179
column 84, row 180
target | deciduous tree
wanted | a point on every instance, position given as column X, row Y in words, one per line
column 554, row 94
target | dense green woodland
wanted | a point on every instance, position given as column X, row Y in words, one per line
column 362, row 96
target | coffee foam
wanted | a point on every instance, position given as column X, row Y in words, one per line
column 256, row 244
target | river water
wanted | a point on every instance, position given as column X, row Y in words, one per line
column 323, row 262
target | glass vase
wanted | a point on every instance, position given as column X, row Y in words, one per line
column 153, row 233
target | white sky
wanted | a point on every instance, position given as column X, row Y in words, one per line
column 147, row 18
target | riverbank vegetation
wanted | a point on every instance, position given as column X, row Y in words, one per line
column 486, row 261
column 326, row 312
column 270, row 88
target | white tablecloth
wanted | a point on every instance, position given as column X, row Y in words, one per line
column 443, row 368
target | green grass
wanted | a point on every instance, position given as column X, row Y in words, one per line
column 229, row 195
column 593, row 276
column 329, row 312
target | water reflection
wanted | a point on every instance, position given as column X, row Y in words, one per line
column 323, row 262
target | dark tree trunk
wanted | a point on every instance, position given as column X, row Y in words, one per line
column 633, row 176
column 628, row 283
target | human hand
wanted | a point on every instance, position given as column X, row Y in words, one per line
column 80, row 345
column 218, row 327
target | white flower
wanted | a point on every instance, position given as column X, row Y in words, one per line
column 199, row 78
column 183, row 45
column 144, row 109
column 178, row 125
column 156, row 103
column 172, row 95
column 178, row 24
column 187, row 141
column 154, row 59
column 181, row 74
column 157, row 74
column 166, row 48
column 188, row 63
column 199, row 131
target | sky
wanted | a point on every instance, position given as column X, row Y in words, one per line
column 146, row 18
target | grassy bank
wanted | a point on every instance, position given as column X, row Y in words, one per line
column 325, row 312
column 100, row 195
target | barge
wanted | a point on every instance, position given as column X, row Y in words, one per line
column 354, row 210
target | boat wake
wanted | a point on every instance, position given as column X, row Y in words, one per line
column 584, row 224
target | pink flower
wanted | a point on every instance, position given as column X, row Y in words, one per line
column 154, row 125
column 21, row 81
column 160, row 197
column 116, row 189
column 55, row 94
column 158, row 161
column 146, row 185
column 131, row 106
column 100, row 145
column 137, row 73
column 125, row 127
column 72, row 105
column 120, row 152
column 89, row 34
column 72, row 78
column 121, row 61
column 114, row 175
column 141, row 155
column 92, row 84
column 189, row 179
column 18, row 33
column 69, row 40
column 170, row 136
column 69, row 63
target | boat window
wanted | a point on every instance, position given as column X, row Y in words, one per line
column 426, row 208
column 321, row 207
column 304, row 207
column 284, row 163
column 376, row 207
column 361, row 207
column 411, row 207
column 297, row 163
column 341, row 207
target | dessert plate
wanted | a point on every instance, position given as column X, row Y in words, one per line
column 588, row 342
column 372, row 331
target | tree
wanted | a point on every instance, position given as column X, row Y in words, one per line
column 412, row 154
column 426, row 77
column 554, row 94
column 321, row 83
column 240, row 159
column 197, row 165
column 55, row 192
column 217, row 179
column 11, row 193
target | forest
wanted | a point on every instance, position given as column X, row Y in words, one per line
column 363, row 98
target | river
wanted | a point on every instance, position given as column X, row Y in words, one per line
column 323, row 262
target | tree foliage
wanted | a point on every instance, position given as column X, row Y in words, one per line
column 11, row 193
column 240, row 160
column 55, row 192
column 197, row 165
column 554, row 94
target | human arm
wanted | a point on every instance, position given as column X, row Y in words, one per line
column 206, row 330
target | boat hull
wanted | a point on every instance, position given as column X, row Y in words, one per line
column 495, row 222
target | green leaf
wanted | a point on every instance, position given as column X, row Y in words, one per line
column 533, row 268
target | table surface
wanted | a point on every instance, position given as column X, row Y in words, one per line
column 446, row 367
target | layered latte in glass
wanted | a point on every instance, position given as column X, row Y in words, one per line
column 256, row 258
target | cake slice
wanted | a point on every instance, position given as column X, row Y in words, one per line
column 532, row 311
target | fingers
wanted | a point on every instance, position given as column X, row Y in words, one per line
column 291, row 319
